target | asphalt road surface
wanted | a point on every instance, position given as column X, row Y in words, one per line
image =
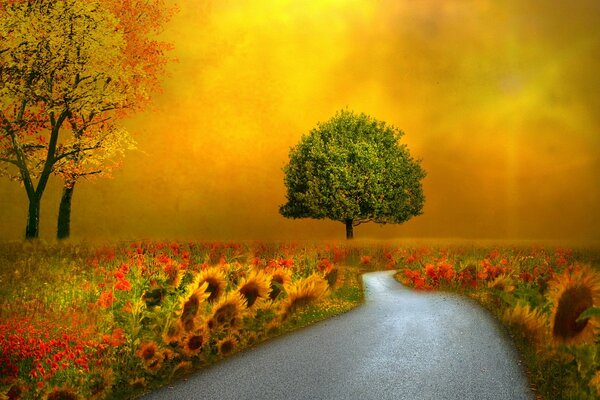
column 400, row 344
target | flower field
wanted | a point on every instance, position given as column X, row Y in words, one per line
column 83, row 322
column 546, row 298
column 115, row 321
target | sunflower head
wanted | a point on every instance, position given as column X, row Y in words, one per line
column 502, row 283
column 192, row 300
column 150, row 356
column 64, row 393
column 182, row 368
column 255, row 288
column 280, row 278
column 154, row 297
column 138, row 383
column 303, row 292
column 173, row 332
column 215, row 281
column 16, row 391
column 101, row 384
column 571, row 294
column 229, row 311
column 193, row 343
column 531, row 324
column 227, row 345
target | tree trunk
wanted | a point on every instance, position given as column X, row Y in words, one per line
column 64, row 213
column 349, row 229
column 32, row 231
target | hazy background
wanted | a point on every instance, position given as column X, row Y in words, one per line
column 500, row 99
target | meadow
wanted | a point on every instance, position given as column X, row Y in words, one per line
column 113, row 321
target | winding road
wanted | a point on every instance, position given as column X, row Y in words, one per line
column 400, row 344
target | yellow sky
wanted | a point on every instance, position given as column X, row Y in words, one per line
column 499, row 99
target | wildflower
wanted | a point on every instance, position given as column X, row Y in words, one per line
column 279, row 279
column 190, row 302
column 227, row 345
column 138, row 383
column 123, row 285
column 183, row 368
column 61, row 394
column 115, row 339
column 530, row 324
column 154, row 297
column 101, row 384
column 228, row 312
column 150, row 356
column 16, row 391
column 215, row 280
column 106, row 299
column 286, row 262
column 173, row 333
column 324, row 265
column 365, row 260
column 255, row 288
column 193, row 343
column 303, row 292
column 571, row 294
column 502, row 283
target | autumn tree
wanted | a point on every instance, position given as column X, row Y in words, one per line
column 67, row 68
column 92, row 151
column 97, row 144
column 353, row 169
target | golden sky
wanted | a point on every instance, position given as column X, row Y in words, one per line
column 500, row 99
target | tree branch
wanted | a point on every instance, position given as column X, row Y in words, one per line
column 15, row 162
column 362, row 221
column 70, row 153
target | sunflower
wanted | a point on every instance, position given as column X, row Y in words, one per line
column 502, row 283
column 173, row 332
column 183, row 368
column 530, row 324
column 303, row 292
column 193, row 343
column 138, row 383
column 154, row 297
column 255, row 288
column 571, row 294
column 280, row 277
column 192, row 300
column 101, row 384
column 595, row 383
column 229, row 311
column 150, row 356
column 64, row 393
column 216, row 282
column 16, row 391
column 227, row 345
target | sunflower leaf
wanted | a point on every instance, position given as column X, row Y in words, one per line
column 590, row 312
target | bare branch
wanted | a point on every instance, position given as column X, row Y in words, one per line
column 15, row 162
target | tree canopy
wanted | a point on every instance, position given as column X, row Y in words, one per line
column 353, row 169
column 68, row 70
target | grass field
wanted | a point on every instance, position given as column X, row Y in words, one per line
column 113, row 321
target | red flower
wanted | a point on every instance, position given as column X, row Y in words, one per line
column 324, row 265
column 123, row 285
column 106, row 299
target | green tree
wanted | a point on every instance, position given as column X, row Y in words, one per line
column 353, row 169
